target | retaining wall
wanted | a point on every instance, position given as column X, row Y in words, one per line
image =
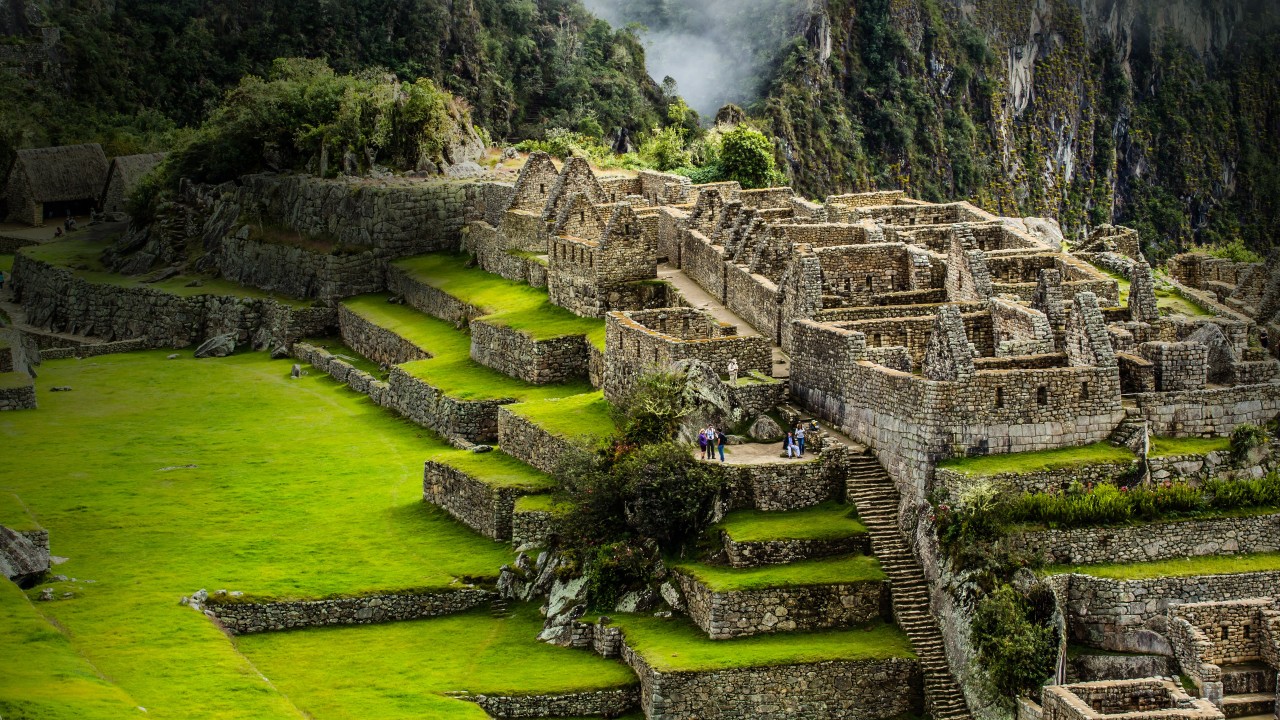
column 724, row 615
column 787, row 484
column 541, row 362
column 376, row 342
column 430, row 407
column 1213, row 412
column 1153, row 541
column 781, row 552
column 243, row 618
column 484, row 508
column 299, row 273
column 525, row 441
column 22, row 397
column 605, row 703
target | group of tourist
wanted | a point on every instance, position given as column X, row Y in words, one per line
column 793, row 445
column 710, row 440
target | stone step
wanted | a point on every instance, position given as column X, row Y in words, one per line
column 1248, row 678
column 1234, row 706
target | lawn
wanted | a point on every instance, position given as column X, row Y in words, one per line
column 402, row 670
column 1166, row 446
column 451, row 368
column 547, row 502
column 43, row 676
column 1181, row 567
column 159, row 477
column 81, row 255
column 511, row 304
column 14, row 515
column 6, row 264
column 495, row 468
column 586, row 415
column 823, row 571
column 828, row 521
column 1096, row 454
column 676, row 644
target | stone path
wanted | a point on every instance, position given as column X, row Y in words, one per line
column 703, row 300
column 756, row 454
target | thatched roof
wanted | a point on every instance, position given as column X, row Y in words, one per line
column 69, row 172
column 133, row 167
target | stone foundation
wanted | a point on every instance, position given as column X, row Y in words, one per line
column 430, row 407
column 788, row 484
column 781, row 552
column 243, row 618
column 541, row 362
column 22, row 397
column 1154, row 541
column 741, row 613
column 484, row 508
column 523, row 440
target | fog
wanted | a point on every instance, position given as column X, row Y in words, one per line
column 717, row 51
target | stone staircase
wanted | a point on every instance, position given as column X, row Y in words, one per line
column 870, row 488
column 1129, row 432
column 1249, row 690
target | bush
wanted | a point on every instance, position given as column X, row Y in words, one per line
column 1016, row 646
column 746, row 155
column 669, row 496
column 614, row 568
column 653, row 410
column 664, row 150
column 1234, row 250
column 1244, row 438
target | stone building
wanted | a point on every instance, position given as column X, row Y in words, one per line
column 123, row 176
column 51, row 182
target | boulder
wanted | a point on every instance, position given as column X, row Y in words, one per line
column 21, row 560
column 217, row 346
column 765, row 429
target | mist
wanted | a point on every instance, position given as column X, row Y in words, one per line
column 717, row 51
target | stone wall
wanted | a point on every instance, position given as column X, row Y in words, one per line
column 374, row 342
column 703, row 262
column 787, row 484
column 1129, row 615
column 724, row 615
column 243, row 618
column 1233, row 628
column 296, row 272
column 19, row 397
column 342, row 371
column 753, row 298
column 430, row 407
column 1209, row 412
column 518, row 355
column 429, row 300
column 56, row 299
column 1041, row 481
column 1154, row 541
column 482, row 507
column 533, row 528
column 852, row 689
column 1087, row 667
column 94, row 349
column 781, row 552
column 1143, row 699
column 605, row 703
column 525, row 441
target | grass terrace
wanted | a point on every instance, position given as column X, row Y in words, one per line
column 495, row 468
column 1181, row 567
column 11, row 380
column 335, row 346
column 169, row 476
column 1099, row 453
column 399, row 670
column 6, row 264
column 510, row 304
column 828, row 521
column 823, row 571
column 545, row 502
column 1166, row 300
column 586, row 415
column 44, row 677
column 14, row 515
column 81, row 256
column 1166, row 446
column 676, row 644
column 451, row 368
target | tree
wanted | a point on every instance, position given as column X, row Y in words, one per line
column 746, row 155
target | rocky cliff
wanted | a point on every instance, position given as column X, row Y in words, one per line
column 1161, row 115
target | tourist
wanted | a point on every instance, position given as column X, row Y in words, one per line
column 800, row 438
column 711, row 442
column 57, row 232
column 789, row 446
column 721, row 441
column 702, row 442
column 733, row 371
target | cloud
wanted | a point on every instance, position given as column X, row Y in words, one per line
column 717, row 51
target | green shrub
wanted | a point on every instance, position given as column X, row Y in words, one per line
column 1234, row 250
column 746, row 155
column 664, row 150
column 655, row 407
column 669, row 496
column 1244, row 438
column 1017, row 647
column 614, row 568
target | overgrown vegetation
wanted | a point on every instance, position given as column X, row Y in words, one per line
column 1016, row 644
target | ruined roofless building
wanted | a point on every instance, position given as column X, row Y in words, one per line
column 48, row 182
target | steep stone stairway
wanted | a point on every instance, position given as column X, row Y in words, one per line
column 871, row 489
column 1249, row 691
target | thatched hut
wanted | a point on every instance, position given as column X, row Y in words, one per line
column 124, row 175
column 50, row 182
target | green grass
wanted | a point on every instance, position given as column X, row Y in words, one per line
column 6, row 264
column 300, row 488
column 510, row 304
column 451, row 368
column 1178, row 304
column 546, row 502
column 335, row 346
column 14, row 380
column 81, row 255
column 586, row 415
column 399, row 670
column 1182, row 567
column 828, row 521
column 823, row 571
column 495, row 468
column 14, row 515
column 1095, row 454
column 675, row 645
column 43, row 676
column 1166, row 446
